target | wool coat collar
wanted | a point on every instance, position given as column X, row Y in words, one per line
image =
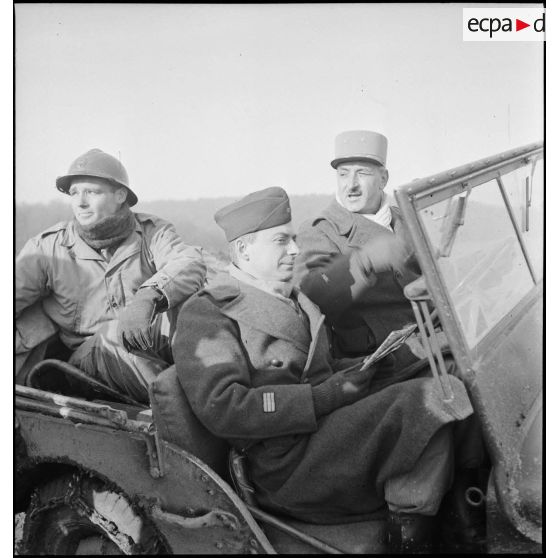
column 265, row 312
column 357, row 228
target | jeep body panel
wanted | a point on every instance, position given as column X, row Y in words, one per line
column 192, row 507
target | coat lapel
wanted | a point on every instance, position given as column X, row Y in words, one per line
column 399, row 227
column 340, row 217
column 316, row 319
column 364, row 230
column 357, row 228
column 78, row 248
column 267, row 313
column 127, row 249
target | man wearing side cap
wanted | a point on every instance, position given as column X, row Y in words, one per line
column 325, row 441
column 356, row 255
column 106, row 282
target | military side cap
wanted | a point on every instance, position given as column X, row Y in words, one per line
column 257, row 211
column 360, row 145
column 98, row 164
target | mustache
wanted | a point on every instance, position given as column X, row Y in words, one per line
column 353, row 190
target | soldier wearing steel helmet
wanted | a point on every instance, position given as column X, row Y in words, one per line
column 356, row 256
column 106, row 282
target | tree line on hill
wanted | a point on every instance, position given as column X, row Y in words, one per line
column 193, row 219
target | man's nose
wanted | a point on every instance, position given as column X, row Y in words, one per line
column 82, row 199
column 354, row 181
column 293, row 249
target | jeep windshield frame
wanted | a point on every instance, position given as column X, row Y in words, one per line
column 431, row 197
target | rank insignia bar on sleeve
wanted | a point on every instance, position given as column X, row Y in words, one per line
column 269, row 402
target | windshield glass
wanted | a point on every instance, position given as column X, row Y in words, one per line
column 484, row 269
column 524, row 188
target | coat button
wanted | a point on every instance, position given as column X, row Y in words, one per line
column 276, row 362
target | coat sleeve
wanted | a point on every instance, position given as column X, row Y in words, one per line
column 31, row 275
column 180, row 268
column 214, row 371
column 32, row 325
column 332, row 280
column 341, row 364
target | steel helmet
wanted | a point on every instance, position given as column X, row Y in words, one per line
column 98, row 164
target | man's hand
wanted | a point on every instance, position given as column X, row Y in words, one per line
column 134, row 327
column 355, row 384
column 343, row 388
column 317, row 259
column 383, row 254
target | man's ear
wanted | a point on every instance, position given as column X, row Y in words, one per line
column 241, row 249
column 385, row 177
column 121, row 195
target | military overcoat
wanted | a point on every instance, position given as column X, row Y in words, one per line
column 79, row 290
column 247, row 362
column 361, row 308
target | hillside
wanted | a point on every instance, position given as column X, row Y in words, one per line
column 193, row 219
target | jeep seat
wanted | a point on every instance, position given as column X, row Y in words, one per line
column 176, row 422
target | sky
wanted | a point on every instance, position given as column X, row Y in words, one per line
column 211, row 100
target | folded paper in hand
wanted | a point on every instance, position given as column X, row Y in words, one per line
column 391, row 343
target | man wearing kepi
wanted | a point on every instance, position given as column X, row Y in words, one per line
column 356, row 255
column 106, row 281
column 324, row 444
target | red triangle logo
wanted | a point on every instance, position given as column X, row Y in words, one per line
column 519, row 25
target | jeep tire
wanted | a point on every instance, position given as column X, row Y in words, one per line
column 77, row 514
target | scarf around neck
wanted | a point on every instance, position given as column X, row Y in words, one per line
column 382, row 216
column 108, row 232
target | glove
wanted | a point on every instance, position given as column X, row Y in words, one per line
column 384, row 253
column 343, row 388
column 316, row 259
column 134, row 324
column 416, row 289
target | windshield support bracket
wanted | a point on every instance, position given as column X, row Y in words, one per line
column 516, row 227
column 432, row 347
